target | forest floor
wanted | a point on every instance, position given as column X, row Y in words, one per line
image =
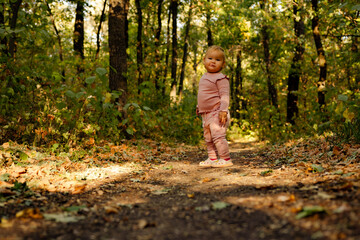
column 302, row 189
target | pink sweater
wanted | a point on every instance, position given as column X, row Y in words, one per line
column 213, row 93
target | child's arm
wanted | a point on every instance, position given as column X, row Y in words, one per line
column 224, row 91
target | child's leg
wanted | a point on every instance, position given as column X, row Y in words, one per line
column 211, row 149
column 218, row 134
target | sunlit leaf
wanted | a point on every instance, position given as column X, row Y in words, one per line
column 62, row 217
column 310, row 210
column 317, row 168
column 219, row 205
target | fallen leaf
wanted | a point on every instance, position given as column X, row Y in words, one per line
column 310, row 210
column 5, row 223
column 219, row 205
column 74, row 208
column 62, row 217
column 336, row 150
column 191, row 195
column 110, row 210
column 325, row 195
column 33, row 213
column 79, row 189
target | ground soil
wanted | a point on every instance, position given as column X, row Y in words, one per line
column 172, row 198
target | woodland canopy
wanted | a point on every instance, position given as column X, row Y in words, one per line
column 81, row 70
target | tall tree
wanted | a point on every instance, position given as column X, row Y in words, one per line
column 57, row 36
column 139, row 45
column 265, row 42
column 174, row 13
column 185, row 51
column 15, row 6
column 238, row 86
column 295, row 68
column 3, row 40
column 210, row 40
column 102, row 19
column 168, row 44
column 158, row 82
column 320, row 52
column 79, row 33
column 118, row 42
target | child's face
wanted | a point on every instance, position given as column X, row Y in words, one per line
column 214, row 61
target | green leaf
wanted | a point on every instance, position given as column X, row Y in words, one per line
column 61, row 105
column 101, row 71
column 310, row 210
column 317, row 168
column 343, row 97
column 74, row 208
column 219, row 205
column 70, row 94
column 5, row 177
column 267, row 172
column 90, row 80
column 130, row 131
column 146, row 108
column 23, row 156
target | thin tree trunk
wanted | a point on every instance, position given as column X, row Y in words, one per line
column 158, row 81
column 321, row 55
column 210, row 40
column 3, row 40
column 79, row 34
column 167, row 48
column 185, row 51
column 174, row 10
column 15, row 6
column 238, row 86
column 118, row 38
column 139, row 45
column 295, row 69
column 102, row 19
column 58, row 38
column 265, row 41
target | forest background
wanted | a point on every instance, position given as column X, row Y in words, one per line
column 80, row 72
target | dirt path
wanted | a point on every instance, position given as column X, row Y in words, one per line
column 174, row 199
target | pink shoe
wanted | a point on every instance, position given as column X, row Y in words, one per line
column 221, row 163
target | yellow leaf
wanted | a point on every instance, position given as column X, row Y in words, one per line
column 348, row 115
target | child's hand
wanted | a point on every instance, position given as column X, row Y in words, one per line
column 222, row 118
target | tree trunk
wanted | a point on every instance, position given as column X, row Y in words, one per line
column 139, row 45
column 210, row 40
column 79, row 29
column 15, row 6
column 185, row 52
column 174, row 12
column 295, row 69
column 158, row 81
column 58, row 38
column 102, row 19
column 167, row 48
column 238, row 86
column 3, row 41
column 321, row 54
column 118, row 38
column 265, row 41
column 79, row 34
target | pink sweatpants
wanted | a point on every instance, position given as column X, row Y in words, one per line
column 215, row 135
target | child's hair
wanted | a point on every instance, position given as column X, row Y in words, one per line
column 215, row 48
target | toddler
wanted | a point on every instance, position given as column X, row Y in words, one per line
column 213, row 103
